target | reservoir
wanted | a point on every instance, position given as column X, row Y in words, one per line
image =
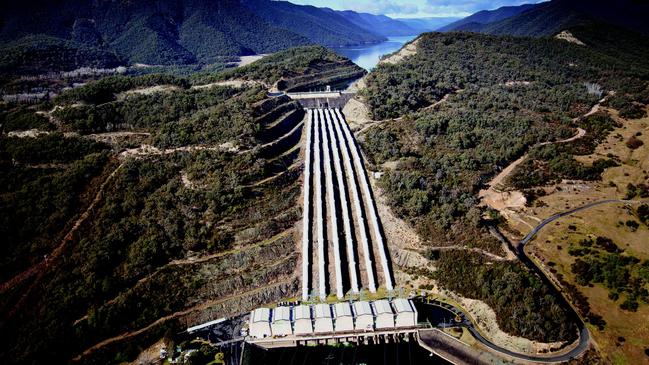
column 368, row 56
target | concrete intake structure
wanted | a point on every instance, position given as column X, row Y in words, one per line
column 370, row 202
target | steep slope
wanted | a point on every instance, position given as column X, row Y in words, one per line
column 422, row 25
column 487, row 16
column 466, row 105
column 165, row 210
column 379, row 24
column 552, row 17
column 321, row 25
column 167, row 32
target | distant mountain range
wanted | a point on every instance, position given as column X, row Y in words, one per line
column 98, row 33
column 429, row 24
column 487, row 16
column 550, row 18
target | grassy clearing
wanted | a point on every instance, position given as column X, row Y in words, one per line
column 626, row 335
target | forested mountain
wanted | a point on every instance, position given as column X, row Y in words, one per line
column 555, row 16
column 500, row 95
column 129, row 264
column 429, row 24
column 379, row 24
column 69, row 34
column 487, row 16
column 320, row 25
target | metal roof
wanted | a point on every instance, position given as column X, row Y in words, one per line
column 302, row 312
column 343, row 309
column 282, row 314
column 402, row 305
column 261, row 315
column 322, row 311
column 362, row 309
column 382, row 307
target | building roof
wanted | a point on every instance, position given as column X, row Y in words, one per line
column 342, row 309
column 322, row 311
column 282, row 314
column 402, row 305
column 362, row 309
column 261, row 315
column 382, row 307
column 302, row 312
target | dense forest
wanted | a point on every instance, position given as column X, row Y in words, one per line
column 552, row 17
column 100, row 242
column 525, row 306
column 504, row 95
column 36, row 37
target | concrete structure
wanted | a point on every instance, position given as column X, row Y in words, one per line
column 302, row 324
column 406, row 313
column 378, row 236
column 331, row 202
column 356, row 199
column 318, row 201
column 363, row 316
column 338, row 204
column 260, row 323
column 344, row 204
column 306, row 223
column 343, row 317
column 281, row 322
column 384, row 315
column 323, row 318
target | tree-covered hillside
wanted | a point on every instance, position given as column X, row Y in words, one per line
column 151, row 32
column 320, row 25
column 143, row 205
column 552, row 17
column 61, row 36
column 503, row 95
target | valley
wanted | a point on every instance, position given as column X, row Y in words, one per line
column 257, row 182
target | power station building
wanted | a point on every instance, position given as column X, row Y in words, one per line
column 384, row 314
column 364, row 316
column 343, row 317
column 281, row 324
column 302, row 324
column 260, row 323
column 323, row 319
column 406, row 313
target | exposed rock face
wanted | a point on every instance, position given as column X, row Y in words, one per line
column 568, row 37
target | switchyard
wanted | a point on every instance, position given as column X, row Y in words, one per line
column 343, row 247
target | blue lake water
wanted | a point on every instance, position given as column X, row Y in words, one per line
column 368, row 56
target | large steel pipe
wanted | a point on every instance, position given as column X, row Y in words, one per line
column 331, row 203
column 371, row 204
column 347, row 144
column 306, row 224
column 317, row 199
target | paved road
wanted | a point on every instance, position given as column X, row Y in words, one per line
column 466, row 322
column 584, row 335
column 553, row 218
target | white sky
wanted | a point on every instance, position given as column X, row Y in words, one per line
column 415, row 8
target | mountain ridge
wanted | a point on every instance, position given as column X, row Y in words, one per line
column 487, row 16
column 550, row 18
column 172, row 32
